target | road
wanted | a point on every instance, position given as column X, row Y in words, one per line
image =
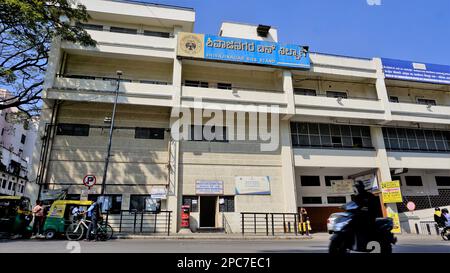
column 406, row 244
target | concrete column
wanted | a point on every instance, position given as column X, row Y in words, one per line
column 382, row 92
column 288, row 89
column 176, row 78
column 174, row 194
column 384, row 170
column 287, row 168
column 54, row 61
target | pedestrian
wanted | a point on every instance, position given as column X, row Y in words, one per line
column 438, row 217
column 94, row 212
column 38, row 214
column 304, row 222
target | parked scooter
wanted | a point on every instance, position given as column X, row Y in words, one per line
column 347, row 236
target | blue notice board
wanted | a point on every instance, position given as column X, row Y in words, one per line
column 415, row 71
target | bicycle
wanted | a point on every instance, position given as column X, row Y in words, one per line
column 77, row 231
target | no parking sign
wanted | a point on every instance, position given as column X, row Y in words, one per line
column 89, row 180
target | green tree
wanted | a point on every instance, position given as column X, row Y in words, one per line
column 27, row 29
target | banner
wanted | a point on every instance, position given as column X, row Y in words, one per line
column 342, row 186
column 252, row 185
column 212, row 47
column 394, row 215
column 414, row 71
column 391, row 192
column 158, row 192
column 370, row 181
column 209, row 187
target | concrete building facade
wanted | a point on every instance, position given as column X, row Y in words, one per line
column 339, row 119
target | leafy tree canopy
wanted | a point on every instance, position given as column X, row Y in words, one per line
column 27, row 29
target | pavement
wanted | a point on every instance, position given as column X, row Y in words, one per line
column 212, row 243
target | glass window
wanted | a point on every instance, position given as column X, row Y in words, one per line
column 312, row 200
column 144, row 203
column 123, row 30
column 336, row 200
column 110, row 202
column 72, row 129
column 443, row 181
column 426, row 101
column 393, row 99
column 226, row 204
column 91, row 26
column 157, row 34
column 336, row 94
column 309, row 181
column 192, row 202
column 305, row 92
column 23, row 139
column 226, row 86
column 149, row 133
column 414, row 181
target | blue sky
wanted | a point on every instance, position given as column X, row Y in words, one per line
column 417, row 30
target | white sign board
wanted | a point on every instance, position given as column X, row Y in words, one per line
column 342, row 186
column 158, row 192
column 209, row 187
column 252, row 185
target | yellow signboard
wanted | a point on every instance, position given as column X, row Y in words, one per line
column 57, row 211
column 391, row 192
column 394, row 215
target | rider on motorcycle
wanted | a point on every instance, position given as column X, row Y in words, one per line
column 365, row 221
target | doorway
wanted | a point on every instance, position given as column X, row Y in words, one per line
column 208, row 211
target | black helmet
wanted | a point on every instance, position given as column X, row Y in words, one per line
column 445, row 211
column 437, row 209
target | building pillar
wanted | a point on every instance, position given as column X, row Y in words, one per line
column 287, row 168
column 288, row 89
column 384, row 171
column 381, row 89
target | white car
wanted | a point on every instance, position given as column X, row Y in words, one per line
column 331, row 222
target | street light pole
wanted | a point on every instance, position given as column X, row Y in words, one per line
column 108, row 153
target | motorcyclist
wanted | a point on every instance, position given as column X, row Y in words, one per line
column 365, row 220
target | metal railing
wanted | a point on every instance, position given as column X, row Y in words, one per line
column 140, row 222
column 428, row 228
column 269, row 223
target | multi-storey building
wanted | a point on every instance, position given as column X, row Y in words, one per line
column 17, row 140
column 339, row 118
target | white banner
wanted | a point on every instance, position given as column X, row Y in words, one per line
column 252, row 185
column 342, row 186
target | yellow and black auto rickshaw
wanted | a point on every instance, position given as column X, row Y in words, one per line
column 60, row 216
column 15, row 216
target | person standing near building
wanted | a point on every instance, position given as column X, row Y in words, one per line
column 38, row 214
column 304, row 222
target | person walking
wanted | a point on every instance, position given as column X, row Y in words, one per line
column 38, row 214
column 304, row 222
column 94, row 213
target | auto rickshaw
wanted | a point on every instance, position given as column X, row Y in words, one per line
column 16, row 216
column 60, row 216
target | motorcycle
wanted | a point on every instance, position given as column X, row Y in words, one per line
column 346, row 237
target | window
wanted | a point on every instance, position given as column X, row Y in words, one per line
column 10, row 185
column 4, row 183
column 393, row 99
column 123, row 30
column 312, row 200
column 192, row 202
column 197, row 133
column 73, row 197
column 20, row 152
column 226, row 204
column 336, row 94
column 416, row 140
column 426, row 102
column 91, row 26
column 328, row 179
column 227, row 86
column 23, row 139
column 413, row 181
column 154, row 82
column 157, row 34
column 330, row 136
column 395, row 178
column 111, row 202
column 196, row 84
column 144, row 203
column 22, row 188
column 3, row 131
column 149, row 133
column 309, row 181
column 305, row 92
column 336, row 200
column 442, row 181
column 72, row 129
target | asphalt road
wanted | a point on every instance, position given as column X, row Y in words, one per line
column 319, row 244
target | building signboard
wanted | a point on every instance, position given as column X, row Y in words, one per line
column 414, row 71
column 209, row 187
column 252, row 185
column 212, row 47
column 391, row 192
column 342, row 186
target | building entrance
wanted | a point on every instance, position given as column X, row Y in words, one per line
column 208, row 211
